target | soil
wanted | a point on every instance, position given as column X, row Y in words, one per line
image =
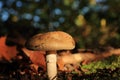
column 21, row 70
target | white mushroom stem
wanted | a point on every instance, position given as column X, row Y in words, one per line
column 51, row 59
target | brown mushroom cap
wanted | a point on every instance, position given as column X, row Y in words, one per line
column 56, row 40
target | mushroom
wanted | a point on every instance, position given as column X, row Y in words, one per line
column 51, row 42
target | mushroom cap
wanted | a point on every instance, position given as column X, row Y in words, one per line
column 56, row 40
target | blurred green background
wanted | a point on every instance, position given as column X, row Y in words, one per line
column 92, row 23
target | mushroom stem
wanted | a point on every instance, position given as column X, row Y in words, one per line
column 51, row 60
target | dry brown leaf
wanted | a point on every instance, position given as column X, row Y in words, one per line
column 37, row 57
column 34, row 67
column 7, row 52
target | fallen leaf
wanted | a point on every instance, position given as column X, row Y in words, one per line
column 34, row 68
column 37, row 57
column 7, row 52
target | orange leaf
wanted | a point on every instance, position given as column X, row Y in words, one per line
column 37, row 57
column 7, row 52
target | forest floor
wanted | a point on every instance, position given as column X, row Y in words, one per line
column 18, row 71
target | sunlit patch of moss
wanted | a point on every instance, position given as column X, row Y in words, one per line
column 111, row 62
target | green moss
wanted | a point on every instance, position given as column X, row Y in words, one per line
column 111, row 62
